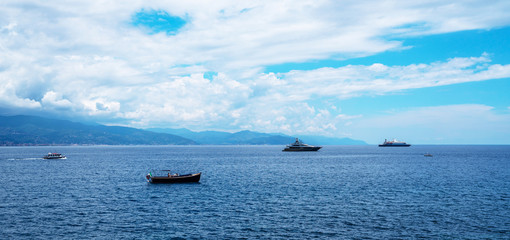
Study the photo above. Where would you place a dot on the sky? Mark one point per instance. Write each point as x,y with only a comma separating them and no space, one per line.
426,72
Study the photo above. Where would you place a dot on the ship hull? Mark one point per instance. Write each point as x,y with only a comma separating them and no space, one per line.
301,149
394,145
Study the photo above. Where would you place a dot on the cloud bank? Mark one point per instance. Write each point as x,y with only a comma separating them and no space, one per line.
94,60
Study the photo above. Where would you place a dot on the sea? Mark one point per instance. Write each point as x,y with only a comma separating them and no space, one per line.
256,192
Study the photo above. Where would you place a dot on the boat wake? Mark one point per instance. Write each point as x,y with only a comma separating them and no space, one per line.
23,159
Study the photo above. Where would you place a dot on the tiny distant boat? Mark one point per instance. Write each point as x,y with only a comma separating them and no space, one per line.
298,146
394,143
54,156
427,155
173,178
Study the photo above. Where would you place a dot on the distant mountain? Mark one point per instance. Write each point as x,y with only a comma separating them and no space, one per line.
226,138
31,130
254,138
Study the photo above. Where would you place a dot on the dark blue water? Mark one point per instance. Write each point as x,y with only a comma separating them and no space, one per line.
256,192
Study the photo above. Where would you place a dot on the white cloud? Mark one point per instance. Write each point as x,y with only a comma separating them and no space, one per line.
292,95
228,35
9,98
192,100
55,100
355,80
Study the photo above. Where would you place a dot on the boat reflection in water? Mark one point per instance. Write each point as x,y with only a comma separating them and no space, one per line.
172,178
298,146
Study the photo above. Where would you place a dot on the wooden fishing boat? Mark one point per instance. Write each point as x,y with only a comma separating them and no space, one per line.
173,178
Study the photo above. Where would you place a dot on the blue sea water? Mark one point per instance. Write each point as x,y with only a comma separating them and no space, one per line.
256,192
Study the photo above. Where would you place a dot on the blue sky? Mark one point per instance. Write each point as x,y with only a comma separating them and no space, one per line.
427,72
156,21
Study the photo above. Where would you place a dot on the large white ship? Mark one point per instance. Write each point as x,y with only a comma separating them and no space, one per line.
298,146
394,143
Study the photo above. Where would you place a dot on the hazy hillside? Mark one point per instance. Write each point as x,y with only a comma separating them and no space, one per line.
31,130
255,138
226,138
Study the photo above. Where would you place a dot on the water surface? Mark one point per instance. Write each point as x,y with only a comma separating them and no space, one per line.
256,192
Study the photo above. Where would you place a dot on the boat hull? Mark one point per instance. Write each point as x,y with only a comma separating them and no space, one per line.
52,157
190,178
394,145
301,149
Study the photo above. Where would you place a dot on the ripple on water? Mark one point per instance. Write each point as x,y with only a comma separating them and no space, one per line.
257,192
